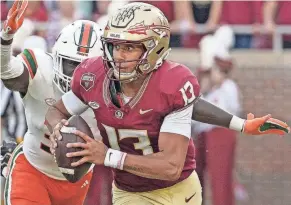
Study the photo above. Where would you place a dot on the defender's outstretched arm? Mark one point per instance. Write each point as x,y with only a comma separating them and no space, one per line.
13,74
208,113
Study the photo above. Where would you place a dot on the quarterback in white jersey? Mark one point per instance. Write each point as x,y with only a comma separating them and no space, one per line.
42,78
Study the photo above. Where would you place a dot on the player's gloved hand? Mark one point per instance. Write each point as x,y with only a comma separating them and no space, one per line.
264,125
6,151
14,19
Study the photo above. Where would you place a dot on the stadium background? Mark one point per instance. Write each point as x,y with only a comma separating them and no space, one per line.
262,163
263,73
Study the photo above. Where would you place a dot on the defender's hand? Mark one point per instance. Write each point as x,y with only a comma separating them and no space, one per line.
55,136
264,125
14,19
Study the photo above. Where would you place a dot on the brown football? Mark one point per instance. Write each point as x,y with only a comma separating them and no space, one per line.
72,174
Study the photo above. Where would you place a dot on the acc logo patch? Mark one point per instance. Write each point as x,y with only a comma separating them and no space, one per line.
88,81
50,101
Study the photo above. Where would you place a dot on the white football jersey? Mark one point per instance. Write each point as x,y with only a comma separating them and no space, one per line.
41,94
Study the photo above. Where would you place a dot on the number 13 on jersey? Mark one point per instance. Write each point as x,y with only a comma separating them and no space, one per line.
143,143
188,93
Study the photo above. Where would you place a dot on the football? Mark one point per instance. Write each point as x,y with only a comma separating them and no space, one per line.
72,174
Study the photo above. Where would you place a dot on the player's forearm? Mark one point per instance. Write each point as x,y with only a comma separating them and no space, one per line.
5,62
153,166
53,117
13,74
5,58
206,112
10,67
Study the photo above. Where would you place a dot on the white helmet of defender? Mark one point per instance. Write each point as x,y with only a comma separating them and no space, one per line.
75,43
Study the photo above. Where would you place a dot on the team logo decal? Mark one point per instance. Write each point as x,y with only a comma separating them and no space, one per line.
50,101
88,81
141,28
124,17
119,114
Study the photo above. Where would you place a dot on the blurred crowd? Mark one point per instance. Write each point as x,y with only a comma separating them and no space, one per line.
46,18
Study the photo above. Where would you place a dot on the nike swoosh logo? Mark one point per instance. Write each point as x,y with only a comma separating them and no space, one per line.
110,155
144,111
188,199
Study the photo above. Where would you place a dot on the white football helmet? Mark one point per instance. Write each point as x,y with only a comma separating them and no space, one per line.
75,43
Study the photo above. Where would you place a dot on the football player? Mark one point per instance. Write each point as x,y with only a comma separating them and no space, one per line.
42,78
143,105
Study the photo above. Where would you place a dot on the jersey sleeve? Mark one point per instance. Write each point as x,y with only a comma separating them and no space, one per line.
28,57
180,88
39,66
178,122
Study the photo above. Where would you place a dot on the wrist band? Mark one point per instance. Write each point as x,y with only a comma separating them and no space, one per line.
114,159
237,124
6,37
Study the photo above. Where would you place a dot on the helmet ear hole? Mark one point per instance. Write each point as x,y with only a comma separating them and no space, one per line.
145,67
